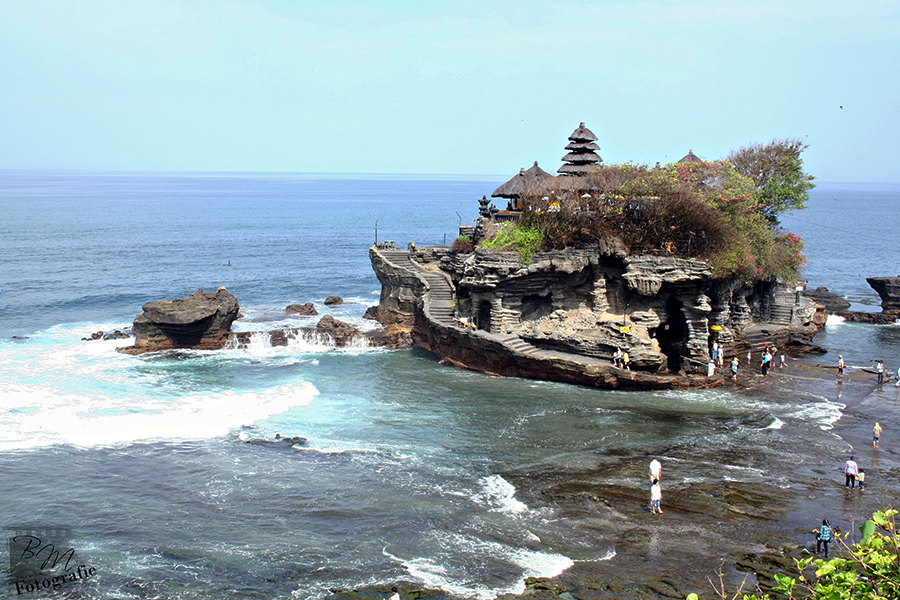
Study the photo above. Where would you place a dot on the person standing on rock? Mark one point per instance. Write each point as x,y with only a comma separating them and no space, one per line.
626,361
734,367
655,498
840,365
823,536
876,434
851,470
879,368
655,470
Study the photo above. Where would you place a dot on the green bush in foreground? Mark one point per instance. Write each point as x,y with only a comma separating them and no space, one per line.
868,570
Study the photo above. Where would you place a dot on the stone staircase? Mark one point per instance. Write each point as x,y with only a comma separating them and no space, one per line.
781,314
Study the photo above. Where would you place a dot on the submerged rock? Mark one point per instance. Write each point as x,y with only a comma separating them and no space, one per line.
201,321
333,300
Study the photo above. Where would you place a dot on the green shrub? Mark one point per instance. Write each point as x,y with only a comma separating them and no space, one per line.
517,237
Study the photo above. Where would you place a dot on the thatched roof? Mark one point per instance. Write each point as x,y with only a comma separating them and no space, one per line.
582,158
583,134
585,146
579,169
524,183
691,157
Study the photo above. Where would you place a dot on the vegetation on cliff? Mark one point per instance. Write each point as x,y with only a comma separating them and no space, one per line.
722,212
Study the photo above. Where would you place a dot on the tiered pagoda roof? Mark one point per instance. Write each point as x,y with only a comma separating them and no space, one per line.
691,157
582,157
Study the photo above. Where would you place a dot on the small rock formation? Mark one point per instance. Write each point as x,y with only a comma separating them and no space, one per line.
116,334
333,300
201,321
341,332
832,302
371,313
305,310
889,290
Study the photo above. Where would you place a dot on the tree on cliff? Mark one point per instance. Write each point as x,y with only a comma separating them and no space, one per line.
776,170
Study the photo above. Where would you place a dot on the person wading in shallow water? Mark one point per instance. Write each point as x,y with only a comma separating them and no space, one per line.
655,498
876,435
823,536
841,365
655,470
851,470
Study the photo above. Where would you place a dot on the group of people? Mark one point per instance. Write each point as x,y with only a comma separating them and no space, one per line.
621,359
853,475
879,370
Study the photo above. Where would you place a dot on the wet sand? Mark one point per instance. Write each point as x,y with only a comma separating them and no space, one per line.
726,525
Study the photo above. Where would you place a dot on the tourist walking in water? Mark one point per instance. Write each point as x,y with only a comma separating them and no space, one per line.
840,365
879,368
823,536
876,434
898,378
734,367
851,470
655,470
655,498
861,478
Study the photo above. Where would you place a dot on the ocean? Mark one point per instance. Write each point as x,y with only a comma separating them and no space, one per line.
161,469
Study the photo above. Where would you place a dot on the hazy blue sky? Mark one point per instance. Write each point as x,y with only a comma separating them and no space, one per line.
452,87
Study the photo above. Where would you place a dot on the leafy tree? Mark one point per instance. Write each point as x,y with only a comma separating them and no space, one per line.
777,172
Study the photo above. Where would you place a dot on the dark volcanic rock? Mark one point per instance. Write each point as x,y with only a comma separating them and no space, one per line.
333,300
200,321
341,332
306,310
889,290
834,303
371,313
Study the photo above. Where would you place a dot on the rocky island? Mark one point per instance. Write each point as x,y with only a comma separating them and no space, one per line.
565,309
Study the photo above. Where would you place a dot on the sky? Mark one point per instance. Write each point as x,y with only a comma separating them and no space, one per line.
463,87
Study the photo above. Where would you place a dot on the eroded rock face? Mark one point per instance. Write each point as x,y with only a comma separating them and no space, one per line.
591,301
201,321
889,290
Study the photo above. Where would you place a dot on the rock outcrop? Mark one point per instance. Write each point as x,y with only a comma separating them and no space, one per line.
888,289
562,315
333,300
832,302
201,321
306,310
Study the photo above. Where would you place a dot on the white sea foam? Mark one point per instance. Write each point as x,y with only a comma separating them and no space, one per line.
833,320
776,424
825,414
38,417
454,576
499,494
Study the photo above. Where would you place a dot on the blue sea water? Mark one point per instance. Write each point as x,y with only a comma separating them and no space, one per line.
410,469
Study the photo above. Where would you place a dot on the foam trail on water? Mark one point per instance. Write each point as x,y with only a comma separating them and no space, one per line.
37,417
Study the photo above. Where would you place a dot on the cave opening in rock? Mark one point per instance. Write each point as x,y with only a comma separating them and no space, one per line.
483,321
672,334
